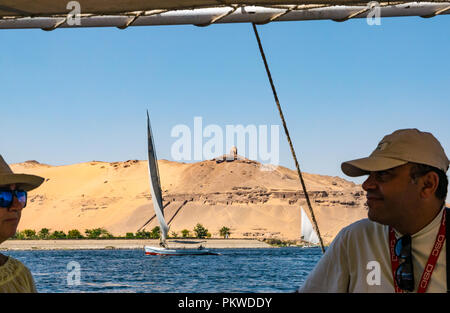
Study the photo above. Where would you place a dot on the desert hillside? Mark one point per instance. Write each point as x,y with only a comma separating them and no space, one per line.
251,199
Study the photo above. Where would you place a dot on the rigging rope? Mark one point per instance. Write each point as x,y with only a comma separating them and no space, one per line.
438,12
218,18
131,20
55,26
300,176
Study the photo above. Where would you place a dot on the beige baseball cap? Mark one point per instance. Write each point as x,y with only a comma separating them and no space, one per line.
398,148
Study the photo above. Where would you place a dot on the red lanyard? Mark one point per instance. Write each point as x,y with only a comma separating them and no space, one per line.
432,259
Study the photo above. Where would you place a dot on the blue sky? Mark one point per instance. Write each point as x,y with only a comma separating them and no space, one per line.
76,95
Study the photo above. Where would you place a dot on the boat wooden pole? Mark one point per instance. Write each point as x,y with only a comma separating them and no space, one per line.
300,176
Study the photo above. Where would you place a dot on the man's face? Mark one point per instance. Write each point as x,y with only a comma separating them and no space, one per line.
391,194
9,218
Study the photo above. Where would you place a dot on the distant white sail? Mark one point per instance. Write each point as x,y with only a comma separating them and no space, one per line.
307,231
155,184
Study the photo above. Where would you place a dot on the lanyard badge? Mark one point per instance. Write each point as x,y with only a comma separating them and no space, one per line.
403,273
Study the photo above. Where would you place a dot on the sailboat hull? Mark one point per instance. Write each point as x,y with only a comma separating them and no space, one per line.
164,251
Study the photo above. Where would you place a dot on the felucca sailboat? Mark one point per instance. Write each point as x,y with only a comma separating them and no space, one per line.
308,234
155,187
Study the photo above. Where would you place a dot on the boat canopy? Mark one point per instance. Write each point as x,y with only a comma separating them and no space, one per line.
51,7
51,14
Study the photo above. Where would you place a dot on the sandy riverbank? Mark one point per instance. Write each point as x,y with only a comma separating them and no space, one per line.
87,244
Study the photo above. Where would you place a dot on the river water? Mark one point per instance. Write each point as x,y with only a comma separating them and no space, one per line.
234,270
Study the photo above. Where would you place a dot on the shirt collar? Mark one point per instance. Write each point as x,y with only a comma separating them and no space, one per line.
432,225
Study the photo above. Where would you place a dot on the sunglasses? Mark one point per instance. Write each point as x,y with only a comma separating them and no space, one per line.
404,275
7,198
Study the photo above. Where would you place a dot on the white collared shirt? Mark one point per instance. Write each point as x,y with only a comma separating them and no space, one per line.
358,260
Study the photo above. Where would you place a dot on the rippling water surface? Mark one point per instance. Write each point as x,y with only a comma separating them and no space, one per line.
234,270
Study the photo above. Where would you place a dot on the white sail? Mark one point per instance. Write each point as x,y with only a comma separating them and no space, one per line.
307,231
155,185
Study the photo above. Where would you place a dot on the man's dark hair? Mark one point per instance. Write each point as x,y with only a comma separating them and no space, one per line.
419,170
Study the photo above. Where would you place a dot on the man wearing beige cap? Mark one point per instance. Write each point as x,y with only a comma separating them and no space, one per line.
14,276
401,247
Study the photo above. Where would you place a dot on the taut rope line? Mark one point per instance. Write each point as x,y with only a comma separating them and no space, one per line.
288,136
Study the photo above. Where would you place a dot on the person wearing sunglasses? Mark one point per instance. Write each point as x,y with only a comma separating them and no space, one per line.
14,276
401,247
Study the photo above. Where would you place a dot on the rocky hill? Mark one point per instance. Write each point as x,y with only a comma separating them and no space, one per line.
251,199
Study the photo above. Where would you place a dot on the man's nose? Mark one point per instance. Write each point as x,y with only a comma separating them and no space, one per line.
370,183
16,205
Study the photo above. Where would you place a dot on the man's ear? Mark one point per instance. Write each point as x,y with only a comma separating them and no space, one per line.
430,182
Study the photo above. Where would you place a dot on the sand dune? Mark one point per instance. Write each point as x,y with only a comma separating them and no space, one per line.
251,199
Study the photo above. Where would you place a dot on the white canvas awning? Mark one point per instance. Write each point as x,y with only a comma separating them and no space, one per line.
57,7
52,14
